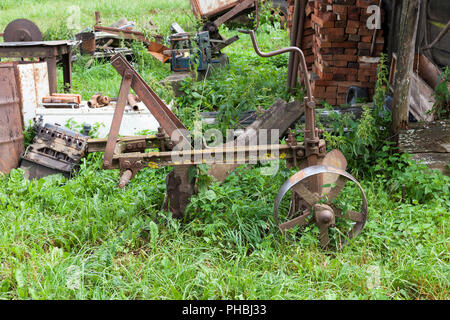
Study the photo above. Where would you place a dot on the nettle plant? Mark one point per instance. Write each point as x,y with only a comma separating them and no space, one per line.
441,107
361,140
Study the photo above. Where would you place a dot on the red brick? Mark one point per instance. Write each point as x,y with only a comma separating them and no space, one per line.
351,30
353,24
339,8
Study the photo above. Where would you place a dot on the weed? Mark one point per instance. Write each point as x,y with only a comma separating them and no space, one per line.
441,107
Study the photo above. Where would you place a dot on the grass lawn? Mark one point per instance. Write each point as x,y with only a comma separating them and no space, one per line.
85,238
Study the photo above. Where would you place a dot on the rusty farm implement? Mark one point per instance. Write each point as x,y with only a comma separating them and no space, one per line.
313,189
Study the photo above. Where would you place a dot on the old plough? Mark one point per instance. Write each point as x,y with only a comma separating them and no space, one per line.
313,189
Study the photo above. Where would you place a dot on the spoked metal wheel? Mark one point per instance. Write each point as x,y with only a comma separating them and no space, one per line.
309,207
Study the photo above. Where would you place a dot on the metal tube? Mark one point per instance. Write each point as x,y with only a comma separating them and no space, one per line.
298,43
280,51
294,31
125,178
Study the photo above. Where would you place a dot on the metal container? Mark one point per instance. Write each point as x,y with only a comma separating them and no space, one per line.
209,8
87,42
11,123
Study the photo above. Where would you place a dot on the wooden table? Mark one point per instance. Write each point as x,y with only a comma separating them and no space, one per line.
47,50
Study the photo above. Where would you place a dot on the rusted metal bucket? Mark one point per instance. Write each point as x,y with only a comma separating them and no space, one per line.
11,123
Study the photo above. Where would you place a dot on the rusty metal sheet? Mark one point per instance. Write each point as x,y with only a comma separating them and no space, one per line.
33,85
11,125
208,8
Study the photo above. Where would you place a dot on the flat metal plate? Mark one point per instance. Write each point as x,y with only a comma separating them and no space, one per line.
38,43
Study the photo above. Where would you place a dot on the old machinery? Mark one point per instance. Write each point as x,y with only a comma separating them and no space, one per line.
313,188
54,150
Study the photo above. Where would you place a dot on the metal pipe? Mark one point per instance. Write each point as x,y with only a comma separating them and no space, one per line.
125,178
294,31
280,51
298,42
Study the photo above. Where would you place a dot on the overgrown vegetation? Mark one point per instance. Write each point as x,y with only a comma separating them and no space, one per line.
441,107
85,238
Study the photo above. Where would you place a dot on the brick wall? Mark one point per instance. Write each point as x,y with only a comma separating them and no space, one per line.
337,45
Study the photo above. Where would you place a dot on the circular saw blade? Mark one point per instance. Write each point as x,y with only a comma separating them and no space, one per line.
22,30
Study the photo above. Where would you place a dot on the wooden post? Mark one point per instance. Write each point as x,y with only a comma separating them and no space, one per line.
405,61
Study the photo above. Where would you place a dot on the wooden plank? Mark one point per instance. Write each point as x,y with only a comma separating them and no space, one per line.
436,161
428,71
431,137
281,115
421,98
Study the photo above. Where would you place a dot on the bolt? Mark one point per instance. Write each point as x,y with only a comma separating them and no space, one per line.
138,164
325,216
127,164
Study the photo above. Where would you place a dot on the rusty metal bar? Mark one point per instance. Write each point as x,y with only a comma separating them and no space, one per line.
99,144
280,51
294,31
166,118
298,43
234,154
117,119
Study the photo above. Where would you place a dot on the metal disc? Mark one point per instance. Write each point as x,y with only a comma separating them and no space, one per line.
22,30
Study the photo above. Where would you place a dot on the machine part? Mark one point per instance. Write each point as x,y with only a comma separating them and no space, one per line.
319,207
61,105
179,190
133,101
21,30
155,48
87,42
185,56
11,123
75,99
98,101
51,51
74,95
307,198
54,150
296,40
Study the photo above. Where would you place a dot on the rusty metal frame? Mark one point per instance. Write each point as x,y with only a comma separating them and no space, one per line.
166,118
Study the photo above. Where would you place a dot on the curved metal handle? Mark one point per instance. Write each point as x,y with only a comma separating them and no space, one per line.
280,51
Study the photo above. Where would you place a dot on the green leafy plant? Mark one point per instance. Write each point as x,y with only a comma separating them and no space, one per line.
361,140
441,107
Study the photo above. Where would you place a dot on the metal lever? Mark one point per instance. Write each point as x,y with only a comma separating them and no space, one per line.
280,51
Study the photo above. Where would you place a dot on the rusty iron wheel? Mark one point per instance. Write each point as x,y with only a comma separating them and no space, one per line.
320,208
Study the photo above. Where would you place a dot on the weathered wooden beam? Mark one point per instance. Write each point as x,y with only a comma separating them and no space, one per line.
428,143
281,115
